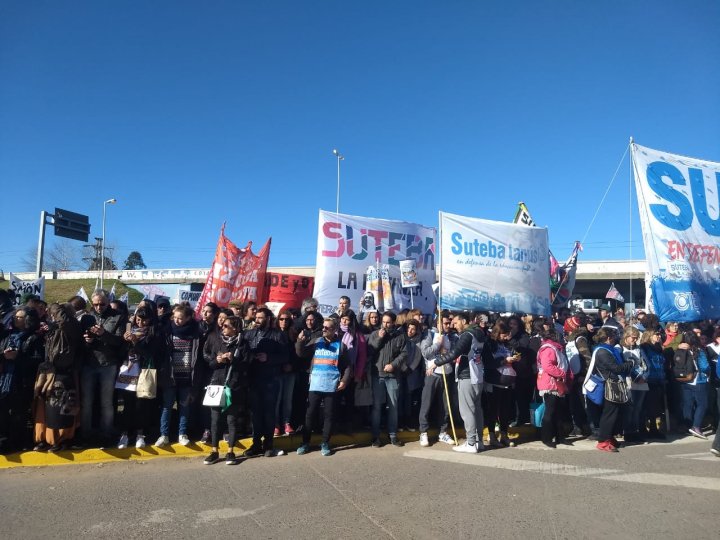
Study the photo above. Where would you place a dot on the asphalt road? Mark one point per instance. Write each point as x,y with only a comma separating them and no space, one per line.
669,490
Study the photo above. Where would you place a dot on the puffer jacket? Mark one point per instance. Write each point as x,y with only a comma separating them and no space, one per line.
552,379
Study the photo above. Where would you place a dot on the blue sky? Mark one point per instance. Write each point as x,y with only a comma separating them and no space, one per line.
192,114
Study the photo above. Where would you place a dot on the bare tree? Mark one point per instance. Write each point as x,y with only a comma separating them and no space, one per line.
62,255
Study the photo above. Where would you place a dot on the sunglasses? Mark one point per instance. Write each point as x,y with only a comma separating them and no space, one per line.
328,328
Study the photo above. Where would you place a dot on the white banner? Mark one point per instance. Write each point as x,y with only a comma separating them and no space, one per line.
19,287
347,245
494,266
680,218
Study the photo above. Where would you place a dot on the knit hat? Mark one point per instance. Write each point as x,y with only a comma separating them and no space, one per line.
571,324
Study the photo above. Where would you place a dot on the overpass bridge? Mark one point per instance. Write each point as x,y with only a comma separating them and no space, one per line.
593,278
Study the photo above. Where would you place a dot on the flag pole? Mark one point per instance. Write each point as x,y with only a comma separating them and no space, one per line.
630,213
439,326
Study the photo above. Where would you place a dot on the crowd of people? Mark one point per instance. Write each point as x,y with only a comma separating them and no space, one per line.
74,375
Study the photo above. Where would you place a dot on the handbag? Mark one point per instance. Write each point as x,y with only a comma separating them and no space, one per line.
147,383
363,393
537,410
507,375
127,377
218,395
594,385
616,391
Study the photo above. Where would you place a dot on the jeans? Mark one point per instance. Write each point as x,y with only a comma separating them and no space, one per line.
285,398
314,399
169,395
384,388
471,411
263,397
694,404
231,415
104,377
433,393
552,418
633,411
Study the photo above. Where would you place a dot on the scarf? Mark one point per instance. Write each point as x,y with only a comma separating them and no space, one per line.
186,332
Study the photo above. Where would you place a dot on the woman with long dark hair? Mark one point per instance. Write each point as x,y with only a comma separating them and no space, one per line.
553,380
610,366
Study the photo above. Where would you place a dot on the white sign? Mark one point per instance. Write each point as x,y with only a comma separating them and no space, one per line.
19,287
493,266
184,294
347,245
680,218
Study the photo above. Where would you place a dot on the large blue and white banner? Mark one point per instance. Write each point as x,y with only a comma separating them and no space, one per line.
680,218
494,266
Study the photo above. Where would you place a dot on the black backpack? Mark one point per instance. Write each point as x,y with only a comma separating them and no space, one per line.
683,366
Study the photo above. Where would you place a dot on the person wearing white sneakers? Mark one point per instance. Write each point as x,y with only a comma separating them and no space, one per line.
179,372
433,392
469,373
144,344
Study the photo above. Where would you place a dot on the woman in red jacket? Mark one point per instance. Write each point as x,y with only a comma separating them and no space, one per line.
552,381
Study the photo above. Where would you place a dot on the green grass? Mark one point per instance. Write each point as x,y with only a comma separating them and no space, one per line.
61,290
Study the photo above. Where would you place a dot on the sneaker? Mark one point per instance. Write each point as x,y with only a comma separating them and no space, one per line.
270,452
492,441
424,439
376,443
184,440
230,459
549,444
140,441
205,439
163,440
41,447
467,448
303,449
276,432
715,452
606,446
697,432
447,439
396,442
576,432
479,446
213,457
325,449
252,452
123,442
288,429
504,440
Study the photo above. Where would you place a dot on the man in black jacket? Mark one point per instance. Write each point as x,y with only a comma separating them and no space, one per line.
105,351
468,348
268,349
387,353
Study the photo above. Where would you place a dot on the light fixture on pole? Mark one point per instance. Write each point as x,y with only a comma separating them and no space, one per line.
102,246
339,157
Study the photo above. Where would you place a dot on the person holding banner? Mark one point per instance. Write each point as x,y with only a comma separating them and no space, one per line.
433,344
388,351
469,374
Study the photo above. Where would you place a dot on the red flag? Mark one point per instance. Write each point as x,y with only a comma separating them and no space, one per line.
250,278
221,278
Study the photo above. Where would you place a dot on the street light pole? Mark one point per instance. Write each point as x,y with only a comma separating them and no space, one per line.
102,246
339,157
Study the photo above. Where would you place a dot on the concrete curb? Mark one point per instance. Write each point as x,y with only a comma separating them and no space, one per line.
286,443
